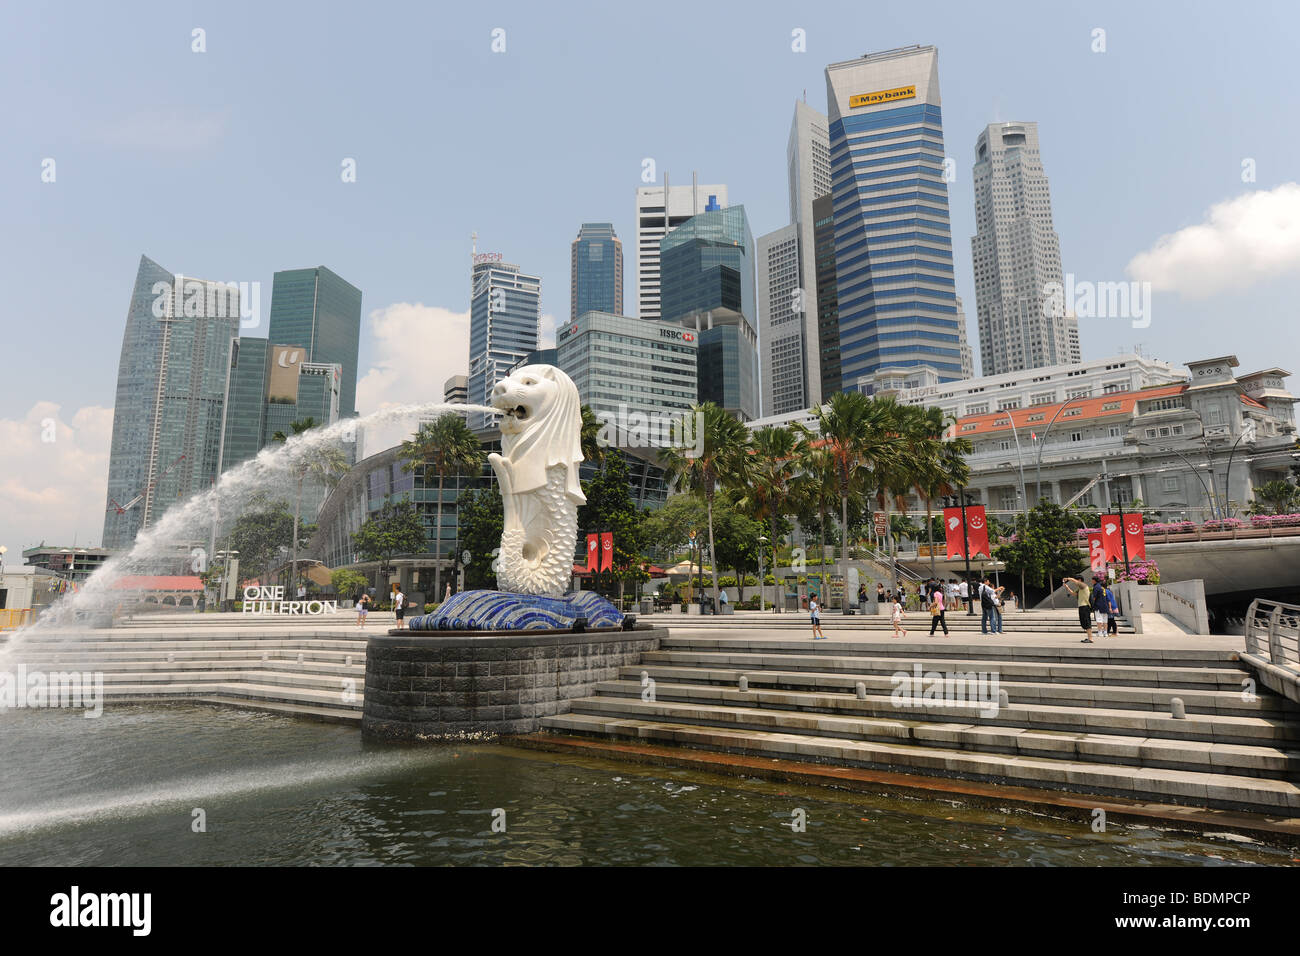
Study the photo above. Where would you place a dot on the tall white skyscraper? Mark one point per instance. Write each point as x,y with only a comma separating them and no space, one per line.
781,333
808,163
1016,254
654,220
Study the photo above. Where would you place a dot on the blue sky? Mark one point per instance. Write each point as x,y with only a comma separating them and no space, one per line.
226,164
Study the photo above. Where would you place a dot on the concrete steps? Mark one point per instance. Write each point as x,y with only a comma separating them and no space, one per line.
1082,718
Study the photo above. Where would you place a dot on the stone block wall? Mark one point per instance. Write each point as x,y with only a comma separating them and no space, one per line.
421,684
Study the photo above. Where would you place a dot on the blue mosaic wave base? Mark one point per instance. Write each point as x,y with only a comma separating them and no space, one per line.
506,611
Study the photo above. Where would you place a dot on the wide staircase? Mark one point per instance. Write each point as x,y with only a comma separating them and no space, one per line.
1094,719
278,667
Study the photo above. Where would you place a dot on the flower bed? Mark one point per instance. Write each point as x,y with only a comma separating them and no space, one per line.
1143,572
1275,521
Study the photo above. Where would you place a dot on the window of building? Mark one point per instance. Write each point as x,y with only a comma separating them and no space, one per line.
1071,412
1114,431
1169,483
1076,436
1151,433
981,409
1214,413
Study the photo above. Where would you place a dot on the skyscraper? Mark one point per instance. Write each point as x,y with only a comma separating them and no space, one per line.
808,163
1017,254
828,316
596,272
317,310
172,379
504,317
893,240
708,287
654,220
782,333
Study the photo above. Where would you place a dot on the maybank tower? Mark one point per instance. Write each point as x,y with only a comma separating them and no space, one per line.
899,317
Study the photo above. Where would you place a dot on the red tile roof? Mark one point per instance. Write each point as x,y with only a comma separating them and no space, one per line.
159,582
1089,408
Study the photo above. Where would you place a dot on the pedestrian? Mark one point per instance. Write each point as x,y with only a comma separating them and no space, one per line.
1100,606
862,598
880,593
937,610
988,609
815,611
723,598
302,592
447,595
963,592
399,607
363,605
1112,612
897,617
997,609
1079,588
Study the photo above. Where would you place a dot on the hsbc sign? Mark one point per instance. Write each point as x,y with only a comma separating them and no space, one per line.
679,335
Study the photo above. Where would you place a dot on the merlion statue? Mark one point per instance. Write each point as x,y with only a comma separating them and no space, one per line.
537,471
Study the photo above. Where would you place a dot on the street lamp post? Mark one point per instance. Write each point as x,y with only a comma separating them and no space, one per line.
1190,467
761,542
961,500
1038,479
1247,433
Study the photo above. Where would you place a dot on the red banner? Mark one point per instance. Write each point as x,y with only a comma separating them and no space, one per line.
952,532
1096,552
593,553
976,532
1134,537
606,550
1111,542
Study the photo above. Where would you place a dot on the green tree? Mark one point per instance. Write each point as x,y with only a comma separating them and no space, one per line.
860,434
723,459
482,519
773,468
395,529
738,544
442,447
592,449
610,507
259,534
1043,548
815,492
1278,496
346,582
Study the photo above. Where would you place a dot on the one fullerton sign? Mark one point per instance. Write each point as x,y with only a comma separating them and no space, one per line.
271,601
882,96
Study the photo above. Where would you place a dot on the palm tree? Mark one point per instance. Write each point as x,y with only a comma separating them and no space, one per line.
325,464
773,469
859,433
723,459
592,449
446,447
1279,495
815,488
939,466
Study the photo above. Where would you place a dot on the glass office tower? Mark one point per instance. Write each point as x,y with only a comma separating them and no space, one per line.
172,378
504,316
707,285
596,272
319,311
893,241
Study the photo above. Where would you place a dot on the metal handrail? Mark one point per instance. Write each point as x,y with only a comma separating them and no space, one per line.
1273,632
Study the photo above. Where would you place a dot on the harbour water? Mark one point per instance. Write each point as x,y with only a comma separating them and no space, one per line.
201,786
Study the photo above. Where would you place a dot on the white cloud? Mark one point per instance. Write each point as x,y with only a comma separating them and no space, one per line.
546,332
416,348
1243,240
54,490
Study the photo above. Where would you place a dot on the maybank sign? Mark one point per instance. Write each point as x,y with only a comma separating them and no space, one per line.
882,96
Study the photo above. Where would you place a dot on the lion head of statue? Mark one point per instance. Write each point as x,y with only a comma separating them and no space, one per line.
541,426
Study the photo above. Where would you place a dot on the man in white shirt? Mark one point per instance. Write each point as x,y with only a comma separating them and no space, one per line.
399,608
963,592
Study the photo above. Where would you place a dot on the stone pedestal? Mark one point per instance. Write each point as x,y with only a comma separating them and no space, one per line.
431,684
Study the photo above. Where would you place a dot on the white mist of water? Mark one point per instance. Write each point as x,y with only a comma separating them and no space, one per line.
189,523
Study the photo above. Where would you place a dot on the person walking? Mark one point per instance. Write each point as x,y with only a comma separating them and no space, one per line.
815,610
399,608
937,609
896,616
1100,606
1112,612
1079,588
